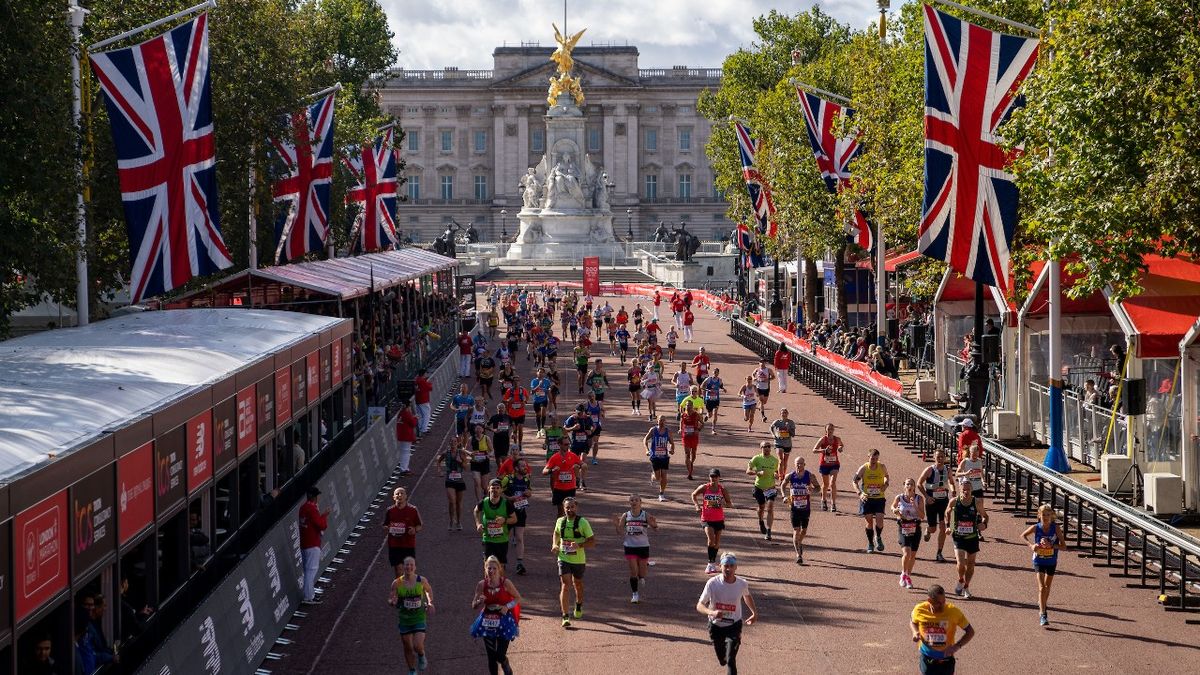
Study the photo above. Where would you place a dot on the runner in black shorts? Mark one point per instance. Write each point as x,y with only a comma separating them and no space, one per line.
935,484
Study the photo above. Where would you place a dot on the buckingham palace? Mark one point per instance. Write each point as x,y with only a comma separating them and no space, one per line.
470,135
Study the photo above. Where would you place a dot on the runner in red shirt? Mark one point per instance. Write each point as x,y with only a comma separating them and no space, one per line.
657,302
563,467
688,320
652,330
515,399
782,361
701,362
690,423
677,310
687,299
622,316
401,522
313,522
967,438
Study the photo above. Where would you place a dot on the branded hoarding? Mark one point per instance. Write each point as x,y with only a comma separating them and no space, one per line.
266,406
199,450
135,492
170,483
39,553
93,533
224,434
283,396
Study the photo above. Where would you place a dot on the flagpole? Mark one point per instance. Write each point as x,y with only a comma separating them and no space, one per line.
326,90
153,24
76,16
881,327
991,17
1056,454
818,91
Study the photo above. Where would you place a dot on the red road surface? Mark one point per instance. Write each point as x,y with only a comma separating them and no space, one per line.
843,612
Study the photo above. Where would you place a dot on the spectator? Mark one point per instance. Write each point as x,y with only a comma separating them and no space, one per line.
85,655
40,662
133,620
313,522
406,434
422,389
299,458
1090,394
967,438
94,606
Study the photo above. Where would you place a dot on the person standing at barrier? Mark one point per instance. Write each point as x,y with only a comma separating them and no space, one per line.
499,607
935,623
765,468
453,464
799,485
572,536
313,522
966,519
935,483
783,430
828,448
712,386
782,362
494,514
465,347
412,596
721,601
908,507
711,499
1045,539
749,394
401,522
635,525
872,481
422,392
966,439
762,385
406,435
659,448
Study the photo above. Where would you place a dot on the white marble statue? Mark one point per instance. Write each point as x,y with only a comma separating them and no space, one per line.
532,195
601,193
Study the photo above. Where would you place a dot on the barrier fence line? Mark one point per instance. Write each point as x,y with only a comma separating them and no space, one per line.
1017,482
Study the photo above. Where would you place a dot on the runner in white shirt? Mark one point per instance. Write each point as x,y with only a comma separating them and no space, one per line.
762,383
635,525
721,601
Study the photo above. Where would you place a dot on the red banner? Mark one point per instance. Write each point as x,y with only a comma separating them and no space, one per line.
199,450
40,553
855,369
313,378
283,395
247,425
591,275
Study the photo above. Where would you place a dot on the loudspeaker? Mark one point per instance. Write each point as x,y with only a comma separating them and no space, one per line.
991,348
1133,398
893,328
917,334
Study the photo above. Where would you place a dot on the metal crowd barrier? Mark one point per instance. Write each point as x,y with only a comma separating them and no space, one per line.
1115,535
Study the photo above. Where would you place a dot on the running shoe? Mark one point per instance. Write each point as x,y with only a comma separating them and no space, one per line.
767,536
870,548
1044,620
595,461
927,533
879,546
566,621
903,581
521,569
940,557
799,560
966,593
711,569
314,601
835,508
824,505
634,599
578,611
422,662
662,497
958,588
762,526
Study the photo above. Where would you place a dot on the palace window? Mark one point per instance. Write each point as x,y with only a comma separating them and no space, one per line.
480,141
414,140
651,186
537,140
414,188
651,140
685,138
481,188
447,140
685,186
447,187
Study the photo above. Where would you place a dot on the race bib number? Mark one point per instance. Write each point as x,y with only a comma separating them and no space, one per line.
965,527
713,501
479,457
784,433
689,430
724,607
454,476
874,491
539,392
908,529
495,530
659,452
770,493
569,547
565,476
634,530
799,499
581,436
1044,551
397,529
412,603
502,427
940,493
491,620
935,635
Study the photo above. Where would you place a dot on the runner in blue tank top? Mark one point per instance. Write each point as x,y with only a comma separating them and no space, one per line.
1045,539
799,486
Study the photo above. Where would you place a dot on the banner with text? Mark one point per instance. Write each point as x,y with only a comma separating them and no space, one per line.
591,275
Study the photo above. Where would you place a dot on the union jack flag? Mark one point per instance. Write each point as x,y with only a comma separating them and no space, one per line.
756,185
374,167
833,154
304,226
158,96
970,206
749,245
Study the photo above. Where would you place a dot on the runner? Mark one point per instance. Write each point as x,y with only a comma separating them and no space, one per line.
582,357
500,425
765,468
712,386
721,601
555,386
579,431
701,362
908,507
623,342
799,485
401,522
749,396
651,388
828,447
934,623
563,469
971,468
688,319
499,607
555,435
540,386
691,423
672,343
634,525
782,362
597,380
712,513
454,461
783,430
659,448
683,386
872,481
412,596
762,385
595,410
572,535
480,453
657,302
515,399
634,377
638,314
934,484
493,516
965,518
518,488
1046,542
485,371
463,403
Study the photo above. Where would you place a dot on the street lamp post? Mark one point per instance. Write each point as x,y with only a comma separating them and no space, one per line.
881,326
503,225
629,217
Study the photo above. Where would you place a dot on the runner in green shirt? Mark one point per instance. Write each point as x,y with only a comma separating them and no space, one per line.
572,534
765,468
554,434
493,516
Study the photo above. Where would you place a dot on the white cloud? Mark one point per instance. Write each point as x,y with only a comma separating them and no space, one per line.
463,33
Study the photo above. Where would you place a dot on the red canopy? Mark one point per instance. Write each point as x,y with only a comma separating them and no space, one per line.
1166,308
893,263
1039,304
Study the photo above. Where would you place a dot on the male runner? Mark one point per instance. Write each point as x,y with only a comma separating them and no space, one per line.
799,485
659,448
872,481
712,386
934,484
493,516
578,428
515,398
595,411
765,468
721,601
762,384
572,534
540,386
563,469
783,430
934,623
690,424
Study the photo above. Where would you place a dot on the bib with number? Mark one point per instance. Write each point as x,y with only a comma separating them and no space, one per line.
397,529
940,493
454,476
413,603
521,503
799,499
634,529
1044,551
908,528
935,634
569,547
770,493
689,430
495,530
784,433
874,491
491,620
479,457
565,476
965,527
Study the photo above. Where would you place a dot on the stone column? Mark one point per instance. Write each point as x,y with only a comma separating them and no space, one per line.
501,169
610,164
522,150
633,141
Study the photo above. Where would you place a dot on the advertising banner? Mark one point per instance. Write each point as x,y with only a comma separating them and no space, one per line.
266,407
312,370
247,425
170,486
5,577
135,492
326,369
199,450
283,396
39,553
591,275
336,363
93,533
224,434
466,292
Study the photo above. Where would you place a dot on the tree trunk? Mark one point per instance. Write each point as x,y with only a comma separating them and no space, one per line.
811,284
839,280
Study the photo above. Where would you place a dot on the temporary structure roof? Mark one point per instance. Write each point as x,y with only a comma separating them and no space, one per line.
1166,308
62,389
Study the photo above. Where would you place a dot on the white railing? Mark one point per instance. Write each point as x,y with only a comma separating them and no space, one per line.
1085,426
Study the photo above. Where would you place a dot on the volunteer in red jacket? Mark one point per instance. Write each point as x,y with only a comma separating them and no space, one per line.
967,438
422,389
657,302
401,522
313,522
782,361
688,319
406,434
464,354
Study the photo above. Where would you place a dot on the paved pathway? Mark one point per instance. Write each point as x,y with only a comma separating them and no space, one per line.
843,612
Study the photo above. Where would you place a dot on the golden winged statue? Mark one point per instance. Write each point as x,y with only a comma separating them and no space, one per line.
565,82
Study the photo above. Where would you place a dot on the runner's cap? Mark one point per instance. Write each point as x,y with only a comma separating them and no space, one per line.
728,559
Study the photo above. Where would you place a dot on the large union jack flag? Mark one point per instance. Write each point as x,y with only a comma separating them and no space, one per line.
756,185
833,153
303,226
158,95
970,207
374,167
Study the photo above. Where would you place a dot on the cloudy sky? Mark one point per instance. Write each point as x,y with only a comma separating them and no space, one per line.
431,34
